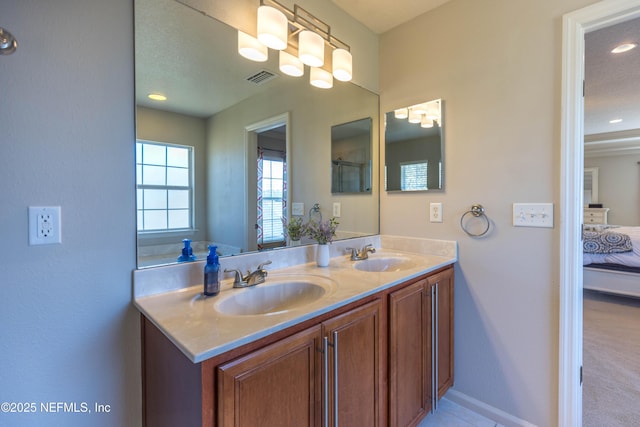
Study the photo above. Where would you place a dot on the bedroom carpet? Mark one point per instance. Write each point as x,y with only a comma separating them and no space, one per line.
611,361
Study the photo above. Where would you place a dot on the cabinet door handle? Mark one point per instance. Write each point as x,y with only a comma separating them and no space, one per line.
325,361
437,362
335,378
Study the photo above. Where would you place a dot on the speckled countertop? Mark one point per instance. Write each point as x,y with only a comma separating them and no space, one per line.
200,330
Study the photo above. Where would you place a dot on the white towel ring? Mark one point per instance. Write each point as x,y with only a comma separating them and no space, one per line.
478,212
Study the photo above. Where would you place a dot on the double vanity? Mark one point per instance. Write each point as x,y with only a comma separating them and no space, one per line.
367,342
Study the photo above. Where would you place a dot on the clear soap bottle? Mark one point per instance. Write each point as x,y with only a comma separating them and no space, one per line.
211,272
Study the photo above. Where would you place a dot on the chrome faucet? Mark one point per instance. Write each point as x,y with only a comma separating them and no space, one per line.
357,255
252,278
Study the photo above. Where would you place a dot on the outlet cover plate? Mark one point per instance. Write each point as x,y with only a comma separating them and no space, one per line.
44,225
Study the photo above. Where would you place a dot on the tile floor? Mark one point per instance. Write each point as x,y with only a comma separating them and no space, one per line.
451,414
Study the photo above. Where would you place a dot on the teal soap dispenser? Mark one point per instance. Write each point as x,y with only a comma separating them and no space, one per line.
211,271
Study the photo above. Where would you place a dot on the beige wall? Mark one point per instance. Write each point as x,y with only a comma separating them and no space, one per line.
497,66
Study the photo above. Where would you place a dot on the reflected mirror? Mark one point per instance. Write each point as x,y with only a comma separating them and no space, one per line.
414,145
351,157
235,144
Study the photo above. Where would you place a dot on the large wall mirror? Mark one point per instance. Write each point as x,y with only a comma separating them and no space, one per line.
236,144
414,159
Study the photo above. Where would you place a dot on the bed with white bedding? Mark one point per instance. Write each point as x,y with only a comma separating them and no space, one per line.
612,259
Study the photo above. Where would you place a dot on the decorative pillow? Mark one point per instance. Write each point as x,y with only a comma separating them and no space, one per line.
606,242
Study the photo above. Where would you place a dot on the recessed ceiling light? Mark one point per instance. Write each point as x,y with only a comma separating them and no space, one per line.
615,121
624,47
157,97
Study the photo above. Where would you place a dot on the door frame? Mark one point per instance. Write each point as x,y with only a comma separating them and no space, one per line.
575,25
251,146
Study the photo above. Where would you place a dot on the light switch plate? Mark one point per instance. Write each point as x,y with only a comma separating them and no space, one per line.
533,215
336,209
297,208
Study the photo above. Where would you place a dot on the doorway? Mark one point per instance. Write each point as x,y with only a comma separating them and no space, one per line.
575,25
267,145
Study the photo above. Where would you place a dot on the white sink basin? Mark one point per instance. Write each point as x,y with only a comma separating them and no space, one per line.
274,296
384,264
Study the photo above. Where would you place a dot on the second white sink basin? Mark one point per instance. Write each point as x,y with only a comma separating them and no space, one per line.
384,264
280,295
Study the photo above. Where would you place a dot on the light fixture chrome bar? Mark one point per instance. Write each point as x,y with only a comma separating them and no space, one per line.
301,19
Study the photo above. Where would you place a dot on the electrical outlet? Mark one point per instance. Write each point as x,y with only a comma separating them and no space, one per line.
336,209
435,212
44,225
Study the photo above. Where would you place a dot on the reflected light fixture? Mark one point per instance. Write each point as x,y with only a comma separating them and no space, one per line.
427,114
614,121
414,117
273,28
290,64
625,47
157,97
401,113
320,78
251,48
277,29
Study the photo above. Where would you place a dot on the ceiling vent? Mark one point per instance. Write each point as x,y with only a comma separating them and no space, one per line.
261,77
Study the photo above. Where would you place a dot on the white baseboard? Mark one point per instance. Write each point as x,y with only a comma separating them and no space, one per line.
495,414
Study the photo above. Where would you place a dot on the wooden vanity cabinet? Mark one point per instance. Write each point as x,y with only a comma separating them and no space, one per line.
378,348
327,371
420,347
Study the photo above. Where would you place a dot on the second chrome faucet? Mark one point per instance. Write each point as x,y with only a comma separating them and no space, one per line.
357,255
252,278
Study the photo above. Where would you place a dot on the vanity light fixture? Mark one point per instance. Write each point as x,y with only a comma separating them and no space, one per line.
157,97
290,65
625,47
320,78
251,48
298,32
426,122
414,116
273,27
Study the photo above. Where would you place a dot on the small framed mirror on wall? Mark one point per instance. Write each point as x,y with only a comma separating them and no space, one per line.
414,147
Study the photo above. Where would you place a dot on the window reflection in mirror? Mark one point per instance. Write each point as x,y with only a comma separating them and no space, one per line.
351,157
414,158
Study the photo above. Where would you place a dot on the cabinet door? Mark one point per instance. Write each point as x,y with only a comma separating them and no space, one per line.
444,282
409,354
278,385
354,343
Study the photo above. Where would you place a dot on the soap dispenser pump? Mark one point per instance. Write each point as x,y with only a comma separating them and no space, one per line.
187,252
211,270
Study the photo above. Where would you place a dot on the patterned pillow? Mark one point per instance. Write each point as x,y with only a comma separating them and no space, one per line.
606,242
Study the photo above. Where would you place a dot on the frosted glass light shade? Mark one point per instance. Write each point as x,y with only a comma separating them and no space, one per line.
401,113
342,65
426,122
419,109
251,48
273,27
290,65
414,117
311,48
321,78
